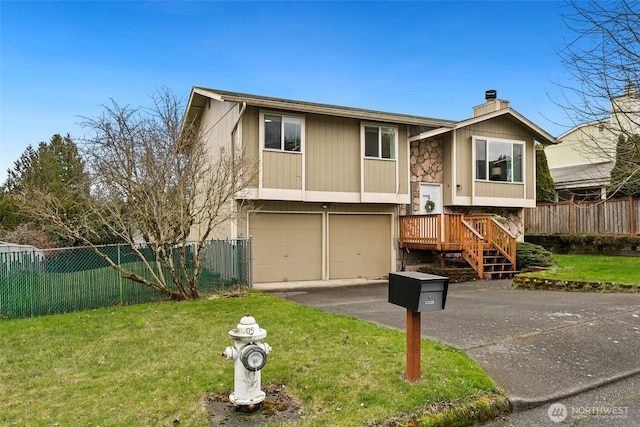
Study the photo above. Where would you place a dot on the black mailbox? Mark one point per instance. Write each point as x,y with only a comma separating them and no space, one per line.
418,291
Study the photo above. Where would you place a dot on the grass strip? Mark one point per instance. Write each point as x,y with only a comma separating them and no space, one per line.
597,273
155,364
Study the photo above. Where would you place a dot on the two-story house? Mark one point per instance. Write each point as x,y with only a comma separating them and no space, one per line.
334,182
581,162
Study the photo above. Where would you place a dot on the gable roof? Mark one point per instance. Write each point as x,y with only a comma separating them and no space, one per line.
541,135
199,96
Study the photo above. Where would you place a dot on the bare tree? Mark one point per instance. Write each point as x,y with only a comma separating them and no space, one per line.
602,57
155,184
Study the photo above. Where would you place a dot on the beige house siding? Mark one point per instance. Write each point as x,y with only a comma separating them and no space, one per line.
216,124
500,128
448,185
501,190
332,146
403,159
379,176
590,143
250,138
330,166
282,170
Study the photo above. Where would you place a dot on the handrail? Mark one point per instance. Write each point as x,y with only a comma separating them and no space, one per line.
504,241
472,247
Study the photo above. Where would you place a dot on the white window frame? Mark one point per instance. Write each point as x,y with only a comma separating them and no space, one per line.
488,141
363,126
282,116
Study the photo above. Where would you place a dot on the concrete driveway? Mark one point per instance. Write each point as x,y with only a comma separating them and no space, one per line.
540,347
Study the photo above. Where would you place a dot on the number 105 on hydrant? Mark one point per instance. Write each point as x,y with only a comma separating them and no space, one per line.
249,354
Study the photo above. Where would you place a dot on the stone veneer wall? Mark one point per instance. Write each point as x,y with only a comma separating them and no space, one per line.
427,162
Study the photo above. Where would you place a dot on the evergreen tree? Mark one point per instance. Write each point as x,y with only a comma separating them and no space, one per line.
625,175
545,187
56,168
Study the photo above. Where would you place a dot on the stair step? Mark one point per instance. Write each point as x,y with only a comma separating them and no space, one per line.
492,275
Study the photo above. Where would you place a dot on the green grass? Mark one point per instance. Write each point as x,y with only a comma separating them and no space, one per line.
594,268
154,363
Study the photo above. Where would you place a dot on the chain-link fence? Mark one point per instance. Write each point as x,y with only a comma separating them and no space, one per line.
37,282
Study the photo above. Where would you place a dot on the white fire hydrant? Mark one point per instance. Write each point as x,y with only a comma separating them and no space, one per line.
250,356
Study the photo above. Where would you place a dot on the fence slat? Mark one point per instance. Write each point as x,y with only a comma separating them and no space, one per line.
613,216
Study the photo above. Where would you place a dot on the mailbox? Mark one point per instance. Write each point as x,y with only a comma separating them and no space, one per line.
418,291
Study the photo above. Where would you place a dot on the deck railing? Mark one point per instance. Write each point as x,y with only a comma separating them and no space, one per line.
420,230
469,234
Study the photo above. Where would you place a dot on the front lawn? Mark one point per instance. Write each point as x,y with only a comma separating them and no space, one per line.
594,268
155,364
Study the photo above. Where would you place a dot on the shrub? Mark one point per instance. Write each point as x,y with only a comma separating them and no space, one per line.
532,255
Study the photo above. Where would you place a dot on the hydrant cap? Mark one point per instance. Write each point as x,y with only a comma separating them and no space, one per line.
247,330
247,320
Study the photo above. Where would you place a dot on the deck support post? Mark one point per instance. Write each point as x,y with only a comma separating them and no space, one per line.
443,261
413,346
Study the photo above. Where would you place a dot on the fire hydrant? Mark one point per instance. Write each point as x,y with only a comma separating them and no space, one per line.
250,356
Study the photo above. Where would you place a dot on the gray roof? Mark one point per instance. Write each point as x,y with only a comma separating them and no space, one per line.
582,176
310,107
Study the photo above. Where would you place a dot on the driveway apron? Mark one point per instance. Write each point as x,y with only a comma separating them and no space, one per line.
538,346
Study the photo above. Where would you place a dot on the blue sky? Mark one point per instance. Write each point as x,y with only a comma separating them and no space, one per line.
60,61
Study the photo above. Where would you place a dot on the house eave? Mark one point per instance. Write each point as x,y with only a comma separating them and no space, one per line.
541,135
317,108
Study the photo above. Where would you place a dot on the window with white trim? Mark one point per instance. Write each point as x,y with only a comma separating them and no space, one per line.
283,133
499,160
380,142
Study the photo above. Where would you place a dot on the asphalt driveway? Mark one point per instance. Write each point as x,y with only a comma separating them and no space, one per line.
540,347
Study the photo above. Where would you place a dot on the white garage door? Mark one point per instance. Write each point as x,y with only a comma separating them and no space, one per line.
359,246
286,247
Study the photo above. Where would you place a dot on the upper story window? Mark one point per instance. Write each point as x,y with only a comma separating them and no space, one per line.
282,133
380,142
499,160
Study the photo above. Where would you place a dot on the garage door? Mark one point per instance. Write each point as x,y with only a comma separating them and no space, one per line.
359,246
286,247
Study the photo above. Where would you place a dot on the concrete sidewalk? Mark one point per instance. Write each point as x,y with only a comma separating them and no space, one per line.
539,346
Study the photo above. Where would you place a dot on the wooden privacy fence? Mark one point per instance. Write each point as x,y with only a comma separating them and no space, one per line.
614,216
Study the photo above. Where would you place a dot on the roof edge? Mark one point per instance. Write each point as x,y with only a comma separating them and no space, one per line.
542,136
319,108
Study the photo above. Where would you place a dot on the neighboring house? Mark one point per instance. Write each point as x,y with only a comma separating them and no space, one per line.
334,182
581,162
15,257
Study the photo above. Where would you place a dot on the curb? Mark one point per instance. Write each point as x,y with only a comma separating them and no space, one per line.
522,404
464,414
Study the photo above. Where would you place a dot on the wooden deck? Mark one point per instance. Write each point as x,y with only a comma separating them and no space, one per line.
483,242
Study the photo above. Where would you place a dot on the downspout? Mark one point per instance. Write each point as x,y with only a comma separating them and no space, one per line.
234,222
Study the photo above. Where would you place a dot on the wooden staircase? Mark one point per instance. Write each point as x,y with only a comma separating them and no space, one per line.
481,240
496,265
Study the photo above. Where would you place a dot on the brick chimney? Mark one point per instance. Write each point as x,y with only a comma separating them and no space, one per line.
492,104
